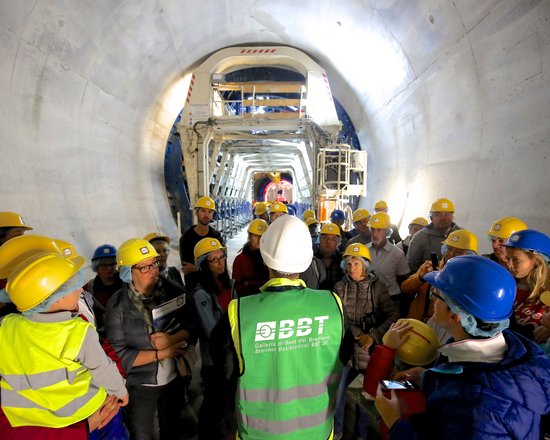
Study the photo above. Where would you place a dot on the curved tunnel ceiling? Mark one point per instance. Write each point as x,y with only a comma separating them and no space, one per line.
449,98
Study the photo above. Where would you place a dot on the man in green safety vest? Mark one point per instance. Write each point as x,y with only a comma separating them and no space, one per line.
288,341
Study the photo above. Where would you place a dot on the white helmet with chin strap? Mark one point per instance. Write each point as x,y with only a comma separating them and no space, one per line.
286,245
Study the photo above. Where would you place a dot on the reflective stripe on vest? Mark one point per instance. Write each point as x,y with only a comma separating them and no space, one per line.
294,337
42,384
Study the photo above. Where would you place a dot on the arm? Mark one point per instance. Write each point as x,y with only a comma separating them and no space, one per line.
387,307
414,255
103,370
413,283
203,306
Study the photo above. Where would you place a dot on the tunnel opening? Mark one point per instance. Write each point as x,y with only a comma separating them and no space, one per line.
245,101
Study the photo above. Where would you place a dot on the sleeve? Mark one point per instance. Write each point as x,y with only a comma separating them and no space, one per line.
415,252
402,265
115,332
411,285
387,308
237,273
103,370
203,306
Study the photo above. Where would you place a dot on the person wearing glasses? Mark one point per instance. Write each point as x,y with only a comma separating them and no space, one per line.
429,238
330,256
149,353
460,242
211,297
499,233
488,382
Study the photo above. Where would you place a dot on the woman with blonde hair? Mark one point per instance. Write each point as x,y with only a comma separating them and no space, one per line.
528,253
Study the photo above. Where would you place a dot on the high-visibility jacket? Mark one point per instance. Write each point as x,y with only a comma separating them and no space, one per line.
42,384
288,341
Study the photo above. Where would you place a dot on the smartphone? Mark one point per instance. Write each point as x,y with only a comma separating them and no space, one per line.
397,384
435,260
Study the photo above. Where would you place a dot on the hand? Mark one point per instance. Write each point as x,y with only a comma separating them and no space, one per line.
365,341
123,401
425,268
103,415
388,409
545,321
161,340
175,350
541,334
394,335
188,268
412,374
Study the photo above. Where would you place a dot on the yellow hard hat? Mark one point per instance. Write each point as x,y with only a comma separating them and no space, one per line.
260,208
311,221
442,205
12,220
505,227
308,213
331,228
360,214
134,251
421,346
421,221
462,239
381,204
257,226
18,249
357,250
205,202
380,220
205,246
278,207
156,236
36,278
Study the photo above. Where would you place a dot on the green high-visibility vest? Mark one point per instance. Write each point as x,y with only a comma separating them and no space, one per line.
288,344
41,383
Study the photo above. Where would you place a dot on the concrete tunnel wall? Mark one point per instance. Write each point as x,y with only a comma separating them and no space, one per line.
449,98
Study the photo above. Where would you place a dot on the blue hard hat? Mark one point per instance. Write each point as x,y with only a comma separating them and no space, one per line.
291,209
337,214
480,286
530,240
104,251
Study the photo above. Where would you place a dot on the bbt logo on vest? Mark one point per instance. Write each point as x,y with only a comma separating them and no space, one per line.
287,328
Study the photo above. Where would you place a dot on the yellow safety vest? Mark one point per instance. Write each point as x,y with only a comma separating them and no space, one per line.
41,383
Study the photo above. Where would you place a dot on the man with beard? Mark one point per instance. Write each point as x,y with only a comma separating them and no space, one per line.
429,239
330,256
204,210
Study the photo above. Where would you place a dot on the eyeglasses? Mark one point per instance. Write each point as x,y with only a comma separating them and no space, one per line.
148,267
499,241
328,239
217,259
433,293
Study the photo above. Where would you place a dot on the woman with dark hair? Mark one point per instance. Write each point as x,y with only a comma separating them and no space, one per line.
249,270
211,296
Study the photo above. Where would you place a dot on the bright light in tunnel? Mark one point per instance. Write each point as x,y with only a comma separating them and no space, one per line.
373,64
174,99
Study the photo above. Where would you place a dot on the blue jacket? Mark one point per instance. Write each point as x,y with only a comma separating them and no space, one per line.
473,400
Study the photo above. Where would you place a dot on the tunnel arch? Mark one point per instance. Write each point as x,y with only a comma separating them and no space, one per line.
84,94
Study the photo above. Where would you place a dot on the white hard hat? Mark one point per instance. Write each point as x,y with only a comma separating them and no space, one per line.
286,245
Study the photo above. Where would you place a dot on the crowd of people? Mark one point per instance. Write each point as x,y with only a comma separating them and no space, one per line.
305,309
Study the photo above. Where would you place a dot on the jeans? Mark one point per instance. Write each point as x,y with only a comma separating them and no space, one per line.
361,417
168,400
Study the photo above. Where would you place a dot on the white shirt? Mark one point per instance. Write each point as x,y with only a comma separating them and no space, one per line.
388,263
